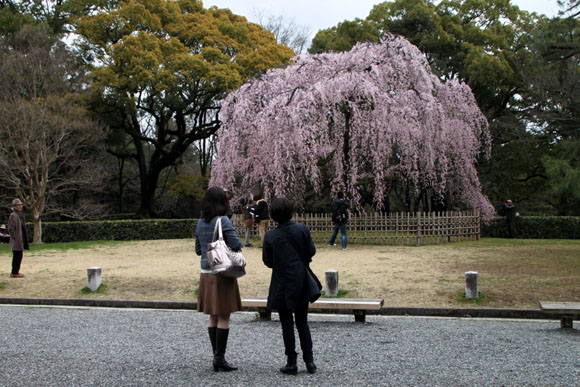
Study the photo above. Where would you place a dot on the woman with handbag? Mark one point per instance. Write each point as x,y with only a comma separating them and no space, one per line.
218,296
288,250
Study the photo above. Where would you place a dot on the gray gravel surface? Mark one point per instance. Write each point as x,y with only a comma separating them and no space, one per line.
51,346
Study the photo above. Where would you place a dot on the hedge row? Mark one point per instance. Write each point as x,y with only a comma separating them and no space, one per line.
119,230
528,227
536,227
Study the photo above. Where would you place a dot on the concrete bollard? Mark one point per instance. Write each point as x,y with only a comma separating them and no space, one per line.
331,283
93,278
471,290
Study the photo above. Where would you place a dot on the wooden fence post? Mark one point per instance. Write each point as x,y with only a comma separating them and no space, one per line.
418,228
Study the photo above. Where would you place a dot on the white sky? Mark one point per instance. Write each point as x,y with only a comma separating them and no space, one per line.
321,14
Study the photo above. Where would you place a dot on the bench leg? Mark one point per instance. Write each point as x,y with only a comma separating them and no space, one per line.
360,315
265,315
566,322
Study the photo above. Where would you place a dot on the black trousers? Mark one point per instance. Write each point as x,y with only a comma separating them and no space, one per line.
300,314
16,261
511,225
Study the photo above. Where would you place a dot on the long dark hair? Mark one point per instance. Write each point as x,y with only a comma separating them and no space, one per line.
214,203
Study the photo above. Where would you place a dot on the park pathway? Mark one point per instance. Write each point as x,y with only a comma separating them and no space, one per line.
59,346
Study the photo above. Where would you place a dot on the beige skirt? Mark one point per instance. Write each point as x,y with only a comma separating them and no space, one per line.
218,295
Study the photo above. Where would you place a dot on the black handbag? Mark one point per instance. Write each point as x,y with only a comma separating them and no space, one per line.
313,286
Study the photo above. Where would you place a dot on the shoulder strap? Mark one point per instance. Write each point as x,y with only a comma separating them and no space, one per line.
218,229
293,243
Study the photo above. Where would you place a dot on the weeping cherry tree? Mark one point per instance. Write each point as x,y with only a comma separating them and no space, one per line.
376,112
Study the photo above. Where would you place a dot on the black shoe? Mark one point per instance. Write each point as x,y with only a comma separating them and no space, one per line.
249,245
222,364
311,367
289,369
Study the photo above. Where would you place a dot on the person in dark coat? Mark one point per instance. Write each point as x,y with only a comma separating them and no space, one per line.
510,216
18,237
246,205
261,216
339,219
288,250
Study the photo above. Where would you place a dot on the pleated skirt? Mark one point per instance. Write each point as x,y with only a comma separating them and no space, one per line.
218,295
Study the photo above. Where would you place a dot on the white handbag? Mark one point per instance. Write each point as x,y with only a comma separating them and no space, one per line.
224,262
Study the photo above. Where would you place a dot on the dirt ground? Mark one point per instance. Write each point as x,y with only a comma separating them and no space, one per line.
169,270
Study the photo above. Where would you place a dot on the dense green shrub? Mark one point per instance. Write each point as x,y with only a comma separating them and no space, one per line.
536,227
119,230
527,227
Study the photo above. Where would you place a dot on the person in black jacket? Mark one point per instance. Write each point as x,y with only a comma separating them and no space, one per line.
246,207
510,216
261,216
288,250
339,219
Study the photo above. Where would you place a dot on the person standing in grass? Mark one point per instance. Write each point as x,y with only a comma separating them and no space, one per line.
339,219
18,237
217,296
510,216
261,216
246,204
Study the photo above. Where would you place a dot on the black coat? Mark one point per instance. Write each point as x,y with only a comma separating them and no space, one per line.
260,211
287,286
509,211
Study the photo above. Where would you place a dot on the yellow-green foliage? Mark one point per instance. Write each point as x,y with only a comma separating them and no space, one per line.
163,45
193,186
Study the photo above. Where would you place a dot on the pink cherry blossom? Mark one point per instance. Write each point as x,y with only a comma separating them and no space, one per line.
374,112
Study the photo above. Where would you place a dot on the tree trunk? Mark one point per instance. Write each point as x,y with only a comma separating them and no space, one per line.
148,189
346,149
37,235
147,208
37,208
121,162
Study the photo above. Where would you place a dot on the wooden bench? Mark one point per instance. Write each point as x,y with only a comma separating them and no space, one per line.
358,307
567,311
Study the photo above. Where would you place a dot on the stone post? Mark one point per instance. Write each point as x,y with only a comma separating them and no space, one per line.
93,278
331,283
471,290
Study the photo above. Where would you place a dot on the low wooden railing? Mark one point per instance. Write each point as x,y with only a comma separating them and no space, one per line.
400,228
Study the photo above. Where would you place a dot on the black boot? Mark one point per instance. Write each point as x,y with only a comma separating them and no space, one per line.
212,337
309,360
290,368
219,359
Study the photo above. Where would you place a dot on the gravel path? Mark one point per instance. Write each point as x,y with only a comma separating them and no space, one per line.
47,346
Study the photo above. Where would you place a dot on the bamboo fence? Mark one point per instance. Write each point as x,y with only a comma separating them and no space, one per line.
400,228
